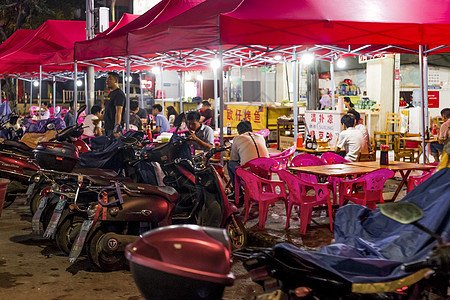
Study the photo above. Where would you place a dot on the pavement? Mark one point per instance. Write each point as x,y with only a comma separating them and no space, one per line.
32,267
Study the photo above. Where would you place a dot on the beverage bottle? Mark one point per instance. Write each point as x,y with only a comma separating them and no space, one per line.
300,141
434,130
314,142
308,142
427,134
384,155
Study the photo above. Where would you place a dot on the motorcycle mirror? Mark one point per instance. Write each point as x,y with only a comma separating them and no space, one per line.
178,120
51,126
402,212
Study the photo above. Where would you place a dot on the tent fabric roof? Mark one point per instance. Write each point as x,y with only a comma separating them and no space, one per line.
52,35
298,22
115,43
18,36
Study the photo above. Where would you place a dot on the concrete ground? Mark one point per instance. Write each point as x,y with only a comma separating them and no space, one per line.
32,267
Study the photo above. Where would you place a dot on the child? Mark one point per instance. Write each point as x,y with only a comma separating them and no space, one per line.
351,139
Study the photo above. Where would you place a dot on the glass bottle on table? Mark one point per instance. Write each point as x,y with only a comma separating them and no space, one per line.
427,134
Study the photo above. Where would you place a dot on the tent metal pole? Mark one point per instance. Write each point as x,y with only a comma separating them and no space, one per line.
222,104
180,91
31,94
265,83
127,105
333,85
140,87
86,91
75,90
295,90
40,90
54,96
123,79
228,87
421,67
425,98
216,103
162,89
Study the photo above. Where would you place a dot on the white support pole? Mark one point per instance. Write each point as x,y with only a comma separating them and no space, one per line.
295,95
228,86
222,103
180,91
40,90
425,89
216,102
162,89
333,85
75,90
421,67
123,79
86,91
31,94
142,91
54,96
127,105
265,84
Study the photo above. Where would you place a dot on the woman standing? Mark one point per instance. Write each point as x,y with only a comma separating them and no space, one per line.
171,115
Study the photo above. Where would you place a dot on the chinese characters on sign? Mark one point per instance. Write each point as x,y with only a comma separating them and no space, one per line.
323,125
254,114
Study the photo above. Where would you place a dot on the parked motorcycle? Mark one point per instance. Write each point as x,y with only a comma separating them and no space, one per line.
330,276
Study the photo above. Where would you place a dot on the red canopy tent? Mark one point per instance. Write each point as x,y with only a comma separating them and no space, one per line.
14,39
298,22
52,35
114,44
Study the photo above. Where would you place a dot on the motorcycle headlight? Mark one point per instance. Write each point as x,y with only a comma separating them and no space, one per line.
35,178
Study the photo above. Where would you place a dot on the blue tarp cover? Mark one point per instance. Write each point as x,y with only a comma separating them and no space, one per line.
372,248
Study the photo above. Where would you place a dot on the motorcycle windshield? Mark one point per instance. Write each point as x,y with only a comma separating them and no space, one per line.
371,248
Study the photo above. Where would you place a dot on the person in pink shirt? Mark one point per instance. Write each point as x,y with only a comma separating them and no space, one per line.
444,134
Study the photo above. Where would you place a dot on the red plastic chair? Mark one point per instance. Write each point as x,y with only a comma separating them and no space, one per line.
414,181
260,166
207,122
264,132
283,158
372,188
262,191
300,195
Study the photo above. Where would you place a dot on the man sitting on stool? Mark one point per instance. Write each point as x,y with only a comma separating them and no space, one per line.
246,146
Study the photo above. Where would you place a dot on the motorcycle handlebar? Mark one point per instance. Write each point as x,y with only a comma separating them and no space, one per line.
412,267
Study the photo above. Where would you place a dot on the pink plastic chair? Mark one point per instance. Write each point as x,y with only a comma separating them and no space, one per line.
305,159
331,158
207,122
260,166
414,181
264,132
262,191
300,195
283,158
372,188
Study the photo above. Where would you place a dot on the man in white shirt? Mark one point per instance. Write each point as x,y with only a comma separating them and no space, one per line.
351,139
363,130
246,146
92,124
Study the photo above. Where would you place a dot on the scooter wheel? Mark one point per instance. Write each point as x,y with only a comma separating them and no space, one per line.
236,232
9,199
67,232
103,259
34,203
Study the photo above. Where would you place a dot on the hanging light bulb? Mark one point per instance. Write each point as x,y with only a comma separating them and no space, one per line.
156,70
340,63
36,83
79,82
199,77
215,64
278,57
307,58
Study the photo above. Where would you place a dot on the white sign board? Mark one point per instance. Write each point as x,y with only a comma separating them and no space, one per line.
324,124
141,6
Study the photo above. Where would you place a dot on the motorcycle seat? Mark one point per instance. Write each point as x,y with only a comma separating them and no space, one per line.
167,192
96,172
18,145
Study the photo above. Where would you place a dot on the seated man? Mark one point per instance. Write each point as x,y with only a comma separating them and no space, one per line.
363,130
69,118
45,113
444,134
161,122
135,120
201,135
206,113
246,146
351,139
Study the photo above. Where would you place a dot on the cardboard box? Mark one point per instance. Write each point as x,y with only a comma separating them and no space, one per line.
286,142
